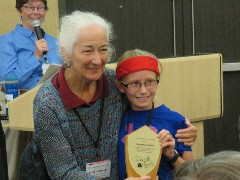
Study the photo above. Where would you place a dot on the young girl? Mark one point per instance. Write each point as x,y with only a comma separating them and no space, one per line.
138,76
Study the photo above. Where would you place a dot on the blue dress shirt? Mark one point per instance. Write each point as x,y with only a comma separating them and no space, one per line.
17,54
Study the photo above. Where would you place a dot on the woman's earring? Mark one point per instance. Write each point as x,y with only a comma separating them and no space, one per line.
67,64
20,19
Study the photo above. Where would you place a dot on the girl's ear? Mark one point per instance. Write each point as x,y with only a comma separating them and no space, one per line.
119,86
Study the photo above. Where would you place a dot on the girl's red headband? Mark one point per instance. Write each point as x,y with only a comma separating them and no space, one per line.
137,63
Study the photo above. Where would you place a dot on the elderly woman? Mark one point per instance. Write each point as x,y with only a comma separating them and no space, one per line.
77,113
22,53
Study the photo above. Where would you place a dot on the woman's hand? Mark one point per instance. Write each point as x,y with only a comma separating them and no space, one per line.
167,143
141,178
188,135
41,46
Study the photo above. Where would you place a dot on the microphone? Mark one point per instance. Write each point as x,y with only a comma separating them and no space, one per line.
37,27
39,33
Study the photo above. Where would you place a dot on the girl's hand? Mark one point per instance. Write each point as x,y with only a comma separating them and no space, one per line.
167,143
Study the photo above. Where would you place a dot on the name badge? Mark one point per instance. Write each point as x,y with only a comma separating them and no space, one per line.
100,169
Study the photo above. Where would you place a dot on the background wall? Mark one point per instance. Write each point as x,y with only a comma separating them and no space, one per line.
9,17
181,28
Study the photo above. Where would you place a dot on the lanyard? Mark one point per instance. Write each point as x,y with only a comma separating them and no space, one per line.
148,120
95,143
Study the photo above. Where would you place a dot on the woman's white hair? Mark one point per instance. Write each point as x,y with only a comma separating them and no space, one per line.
217,166
72,25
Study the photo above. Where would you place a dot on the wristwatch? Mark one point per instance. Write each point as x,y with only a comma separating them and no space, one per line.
174,158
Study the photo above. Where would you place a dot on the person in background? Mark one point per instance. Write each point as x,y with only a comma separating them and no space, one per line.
138,75
216,166
77,113
22,53
3,156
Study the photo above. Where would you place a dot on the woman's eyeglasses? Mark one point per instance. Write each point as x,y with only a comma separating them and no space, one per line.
31,8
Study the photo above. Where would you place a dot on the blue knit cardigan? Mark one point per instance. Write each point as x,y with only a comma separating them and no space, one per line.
60,147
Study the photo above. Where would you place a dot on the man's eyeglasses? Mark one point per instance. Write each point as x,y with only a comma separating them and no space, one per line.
31,8
136,86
